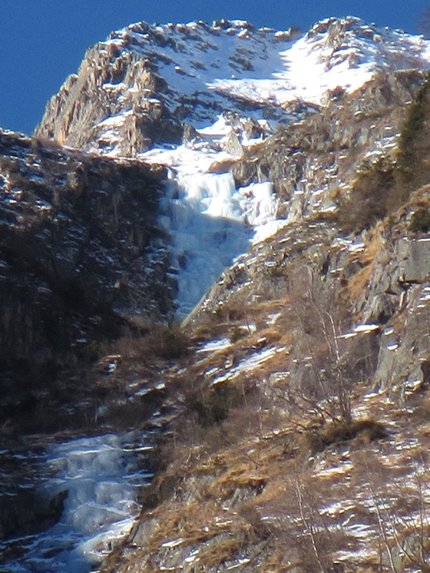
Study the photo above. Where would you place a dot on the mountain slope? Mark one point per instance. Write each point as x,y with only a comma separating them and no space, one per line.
169,74
82,260
202,100
293,219
318,351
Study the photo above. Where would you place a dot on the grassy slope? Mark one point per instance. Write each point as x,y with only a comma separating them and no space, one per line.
285,453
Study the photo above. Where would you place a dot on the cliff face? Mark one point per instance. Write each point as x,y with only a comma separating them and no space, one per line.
296,392
82,257
315,161
109,81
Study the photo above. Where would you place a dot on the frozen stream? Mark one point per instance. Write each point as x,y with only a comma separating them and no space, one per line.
210,221
101,477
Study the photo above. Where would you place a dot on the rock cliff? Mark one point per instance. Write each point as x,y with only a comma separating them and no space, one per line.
82,257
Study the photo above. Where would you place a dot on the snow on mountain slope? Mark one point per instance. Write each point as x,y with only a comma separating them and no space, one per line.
222,89
210,221
196,72
232,60
325,59
298,311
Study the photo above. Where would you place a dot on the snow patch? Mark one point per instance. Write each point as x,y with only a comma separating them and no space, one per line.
215,345
248,365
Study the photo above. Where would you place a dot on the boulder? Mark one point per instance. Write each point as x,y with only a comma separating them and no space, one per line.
25,512
414,256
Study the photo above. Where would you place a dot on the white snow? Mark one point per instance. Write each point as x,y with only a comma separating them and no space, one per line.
268,230
208,232
272,318
173,543
365,328
264,66
113,121
360,329
248,365
211,222
218,129
215,345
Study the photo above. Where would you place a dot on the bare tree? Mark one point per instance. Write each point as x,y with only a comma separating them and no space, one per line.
402,513
325,386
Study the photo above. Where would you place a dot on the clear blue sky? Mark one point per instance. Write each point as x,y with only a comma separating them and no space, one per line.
42,41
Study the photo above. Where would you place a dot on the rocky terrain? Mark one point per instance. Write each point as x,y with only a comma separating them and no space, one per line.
293,398
83,260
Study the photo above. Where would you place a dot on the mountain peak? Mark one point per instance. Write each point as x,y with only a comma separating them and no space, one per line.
141,85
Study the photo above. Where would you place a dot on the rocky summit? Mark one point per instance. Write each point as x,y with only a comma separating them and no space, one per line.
215,264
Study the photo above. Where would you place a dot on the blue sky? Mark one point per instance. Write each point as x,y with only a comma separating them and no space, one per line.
42,41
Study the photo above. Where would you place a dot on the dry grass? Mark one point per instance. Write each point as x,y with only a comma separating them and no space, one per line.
334,434
239,477
260,477
357,283
222,549
161,343
228,506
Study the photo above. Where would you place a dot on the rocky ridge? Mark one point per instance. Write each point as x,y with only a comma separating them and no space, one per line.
145,84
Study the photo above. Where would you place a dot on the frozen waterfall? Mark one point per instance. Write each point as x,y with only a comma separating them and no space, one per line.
211,223
102,477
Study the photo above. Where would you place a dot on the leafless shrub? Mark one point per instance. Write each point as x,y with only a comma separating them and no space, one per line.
325,383
401,511
212,406
368,430
166,342
298,521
